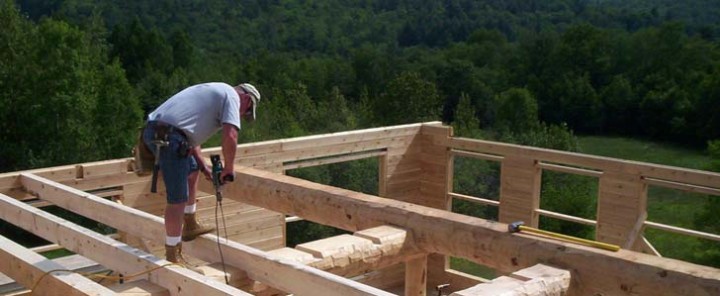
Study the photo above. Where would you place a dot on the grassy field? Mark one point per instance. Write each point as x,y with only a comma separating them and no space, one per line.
645,151
666,206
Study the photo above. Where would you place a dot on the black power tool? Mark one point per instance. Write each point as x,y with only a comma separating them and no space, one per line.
217,168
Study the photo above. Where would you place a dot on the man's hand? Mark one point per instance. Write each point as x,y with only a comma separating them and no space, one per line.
202,166
207,172
227,175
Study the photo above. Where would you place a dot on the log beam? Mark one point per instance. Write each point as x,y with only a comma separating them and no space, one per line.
482,241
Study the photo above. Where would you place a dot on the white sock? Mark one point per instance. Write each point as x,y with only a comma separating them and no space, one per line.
172,240
189,209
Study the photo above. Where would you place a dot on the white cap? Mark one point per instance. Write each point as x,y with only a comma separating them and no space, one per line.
254,95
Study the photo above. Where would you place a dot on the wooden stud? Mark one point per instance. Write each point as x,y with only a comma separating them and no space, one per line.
622,201
519,190
416,276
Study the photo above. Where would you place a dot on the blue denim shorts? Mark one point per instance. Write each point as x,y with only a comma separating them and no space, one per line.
175,167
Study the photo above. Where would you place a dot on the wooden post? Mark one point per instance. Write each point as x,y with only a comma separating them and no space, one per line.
416,276
520,180
382,175
622,206
434,161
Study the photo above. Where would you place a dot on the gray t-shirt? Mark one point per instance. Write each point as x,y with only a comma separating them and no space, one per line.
200,110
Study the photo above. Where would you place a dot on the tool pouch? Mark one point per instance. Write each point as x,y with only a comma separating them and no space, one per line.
144,158
184,149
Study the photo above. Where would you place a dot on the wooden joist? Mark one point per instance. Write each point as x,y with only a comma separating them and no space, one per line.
108,252
29,269
478,240
287,276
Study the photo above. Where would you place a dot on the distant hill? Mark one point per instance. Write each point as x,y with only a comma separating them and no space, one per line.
334,26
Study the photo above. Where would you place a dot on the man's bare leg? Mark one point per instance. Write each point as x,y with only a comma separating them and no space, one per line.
193,228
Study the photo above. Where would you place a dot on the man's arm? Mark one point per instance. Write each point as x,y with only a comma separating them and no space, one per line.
229,146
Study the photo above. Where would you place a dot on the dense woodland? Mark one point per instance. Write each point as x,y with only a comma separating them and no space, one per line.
78,77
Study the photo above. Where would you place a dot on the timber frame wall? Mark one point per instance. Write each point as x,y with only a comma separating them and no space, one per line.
415,194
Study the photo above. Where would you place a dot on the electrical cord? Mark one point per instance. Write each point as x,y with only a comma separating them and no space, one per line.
218,204
116,278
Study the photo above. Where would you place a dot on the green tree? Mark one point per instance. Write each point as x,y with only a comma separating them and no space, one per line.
577,103
409,98
116,104
621,106
466,123
373,68
63,95
585,50
707,107
517,110
15,45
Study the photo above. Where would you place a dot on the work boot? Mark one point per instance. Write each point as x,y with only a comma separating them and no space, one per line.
192,228
174,254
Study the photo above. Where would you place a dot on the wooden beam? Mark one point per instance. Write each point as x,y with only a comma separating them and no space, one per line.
109,252
29,268
333,159
482,241
664,172
680,230
287,276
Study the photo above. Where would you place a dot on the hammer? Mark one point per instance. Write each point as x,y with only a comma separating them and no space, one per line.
519,226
